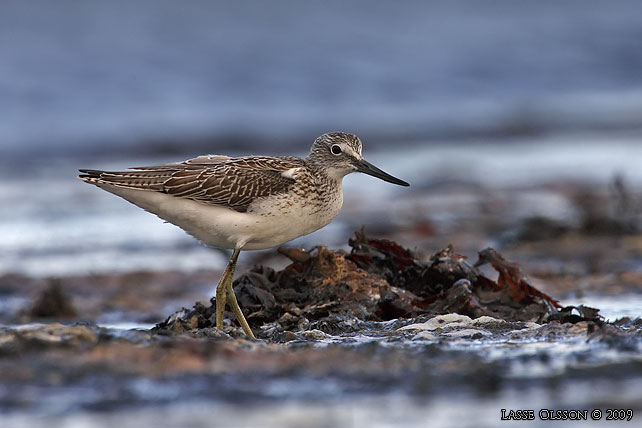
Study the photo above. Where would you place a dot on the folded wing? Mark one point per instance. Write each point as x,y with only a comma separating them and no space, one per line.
217,180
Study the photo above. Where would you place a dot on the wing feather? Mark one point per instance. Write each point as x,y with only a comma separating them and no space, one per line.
212,179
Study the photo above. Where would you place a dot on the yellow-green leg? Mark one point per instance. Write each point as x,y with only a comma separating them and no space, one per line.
221,298
237,311
225,290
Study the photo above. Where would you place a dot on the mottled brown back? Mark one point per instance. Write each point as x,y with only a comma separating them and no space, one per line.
217,180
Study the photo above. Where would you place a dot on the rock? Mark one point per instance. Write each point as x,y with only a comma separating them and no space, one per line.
440,322
52,303
15,340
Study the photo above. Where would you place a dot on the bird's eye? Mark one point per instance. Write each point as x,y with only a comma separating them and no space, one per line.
336,149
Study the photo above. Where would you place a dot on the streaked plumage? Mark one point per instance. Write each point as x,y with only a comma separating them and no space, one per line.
215,180
245,203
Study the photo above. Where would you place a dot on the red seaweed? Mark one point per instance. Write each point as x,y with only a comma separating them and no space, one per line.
380,280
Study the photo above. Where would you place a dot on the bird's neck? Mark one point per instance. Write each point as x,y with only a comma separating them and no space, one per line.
330,177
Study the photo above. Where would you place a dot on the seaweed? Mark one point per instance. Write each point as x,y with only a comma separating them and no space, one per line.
379,280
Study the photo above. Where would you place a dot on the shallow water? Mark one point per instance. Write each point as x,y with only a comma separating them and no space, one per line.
614,307
449,382
381,412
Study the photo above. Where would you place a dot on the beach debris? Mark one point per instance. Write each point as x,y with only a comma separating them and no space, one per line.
379,280
512,279
449,284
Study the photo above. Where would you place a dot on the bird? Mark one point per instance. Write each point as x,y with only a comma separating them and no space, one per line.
244,203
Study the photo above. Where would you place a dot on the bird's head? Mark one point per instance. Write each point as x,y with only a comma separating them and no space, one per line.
340,154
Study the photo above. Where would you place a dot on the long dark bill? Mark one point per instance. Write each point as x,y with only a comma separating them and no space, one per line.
370,169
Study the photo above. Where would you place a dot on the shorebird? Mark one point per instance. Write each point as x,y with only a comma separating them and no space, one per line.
244,203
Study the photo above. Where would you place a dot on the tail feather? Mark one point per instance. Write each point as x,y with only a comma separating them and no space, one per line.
143,180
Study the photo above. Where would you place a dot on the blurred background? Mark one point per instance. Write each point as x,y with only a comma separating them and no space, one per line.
508,117
518,124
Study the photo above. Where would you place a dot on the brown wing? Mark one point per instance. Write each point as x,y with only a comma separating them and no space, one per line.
218,180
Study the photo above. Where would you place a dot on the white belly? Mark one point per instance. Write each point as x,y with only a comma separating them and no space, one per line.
266,224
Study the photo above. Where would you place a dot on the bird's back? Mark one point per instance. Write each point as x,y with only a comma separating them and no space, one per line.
218,180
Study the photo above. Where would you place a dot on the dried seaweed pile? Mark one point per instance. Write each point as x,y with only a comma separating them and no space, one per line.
377,281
